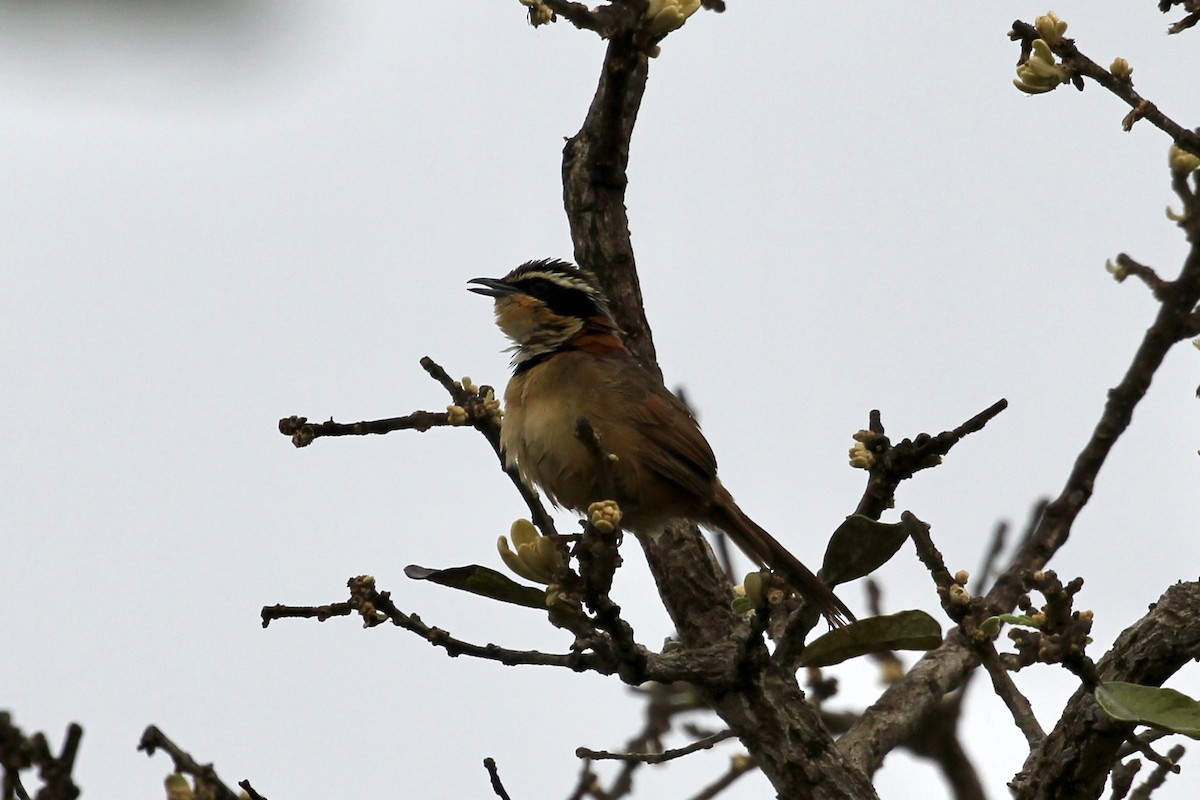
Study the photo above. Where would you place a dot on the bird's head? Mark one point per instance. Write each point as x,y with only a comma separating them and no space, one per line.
547,306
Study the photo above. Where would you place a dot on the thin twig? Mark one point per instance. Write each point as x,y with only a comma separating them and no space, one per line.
1146,737
714,667
899,462
1146,274
154,739
494,774
738,766
1159,776
657,758
488,424
302,432
1017,703
1123,88
1142,746
988,565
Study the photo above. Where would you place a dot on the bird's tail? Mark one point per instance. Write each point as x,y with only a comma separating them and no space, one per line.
766,551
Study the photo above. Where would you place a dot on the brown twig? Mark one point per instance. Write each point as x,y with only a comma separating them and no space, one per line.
488,424
1128,266
896,463
19,752
714,667
657,758
738,766
302,432
1121,87
1017,703
208,784
1178,300
1159,775
494,775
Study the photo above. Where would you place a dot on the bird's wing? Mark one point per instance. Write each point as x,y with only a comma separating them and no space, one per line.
678,450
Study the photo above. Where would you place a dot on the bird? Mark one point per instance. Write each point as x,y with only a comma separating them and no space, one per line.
570,363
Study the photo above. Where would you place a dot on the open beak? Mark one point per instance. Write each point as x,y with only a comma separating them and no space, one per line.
492,287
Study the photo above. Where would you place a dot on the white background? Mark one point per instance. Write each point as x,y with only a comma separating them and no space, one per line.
216,214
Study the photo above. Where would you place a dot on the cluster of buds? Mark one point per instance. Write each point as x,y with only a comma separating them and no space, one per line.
539,14
1060,634
664,16
362,599
481,403
1040,73
1050,27
605,515
861,456
1181,161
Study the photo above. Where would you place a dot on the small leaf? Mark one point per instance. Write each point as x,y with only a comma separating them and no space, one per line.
742,605
905,630
1019,619
1150,705
481,581
990,627
859,546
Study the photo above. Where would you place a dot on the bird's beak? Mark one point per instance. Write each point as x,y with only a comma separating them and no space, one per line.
492,287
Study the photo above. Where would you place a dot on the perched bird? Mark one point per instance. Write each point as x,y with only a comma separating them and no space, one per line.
570,363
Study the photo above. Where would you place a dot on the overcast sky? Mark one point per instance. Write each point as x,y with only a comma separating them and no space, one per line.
216,214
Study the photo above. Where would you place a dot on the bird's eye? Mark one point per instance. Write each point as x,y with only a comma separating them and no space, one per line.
538,287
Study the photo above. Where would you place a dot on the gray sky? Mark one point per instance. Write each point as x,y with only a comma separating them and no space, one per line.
213,215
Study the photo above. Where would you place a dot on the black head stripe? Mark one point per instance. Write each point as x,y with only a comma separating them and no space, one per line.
565,289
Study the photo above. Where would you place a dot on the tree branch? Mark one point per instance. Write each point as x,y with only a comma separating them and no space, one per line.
1075,758
657,758
1121,87
896,463
713,666
207,782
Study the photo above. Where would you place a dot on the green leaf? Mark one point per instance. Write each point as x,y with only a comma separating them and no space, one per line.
1150,705
990,627
1019,619
859,546
742,605
482,581
905,630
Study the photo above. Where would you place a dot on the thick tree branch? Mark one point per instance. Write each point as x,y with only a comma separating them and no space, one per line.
594,181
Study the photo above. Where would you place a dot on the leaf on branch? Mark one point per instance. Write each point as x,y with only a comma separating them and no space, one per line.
1150,705
859,546
905,630
481,581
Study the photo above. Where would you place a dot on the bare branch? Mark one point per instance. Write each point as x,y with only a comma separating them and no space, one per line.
19,752
738,766
714,666
657,758
1017,703
494,774
1159,776
896,463
207,782
303,432
1126,266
